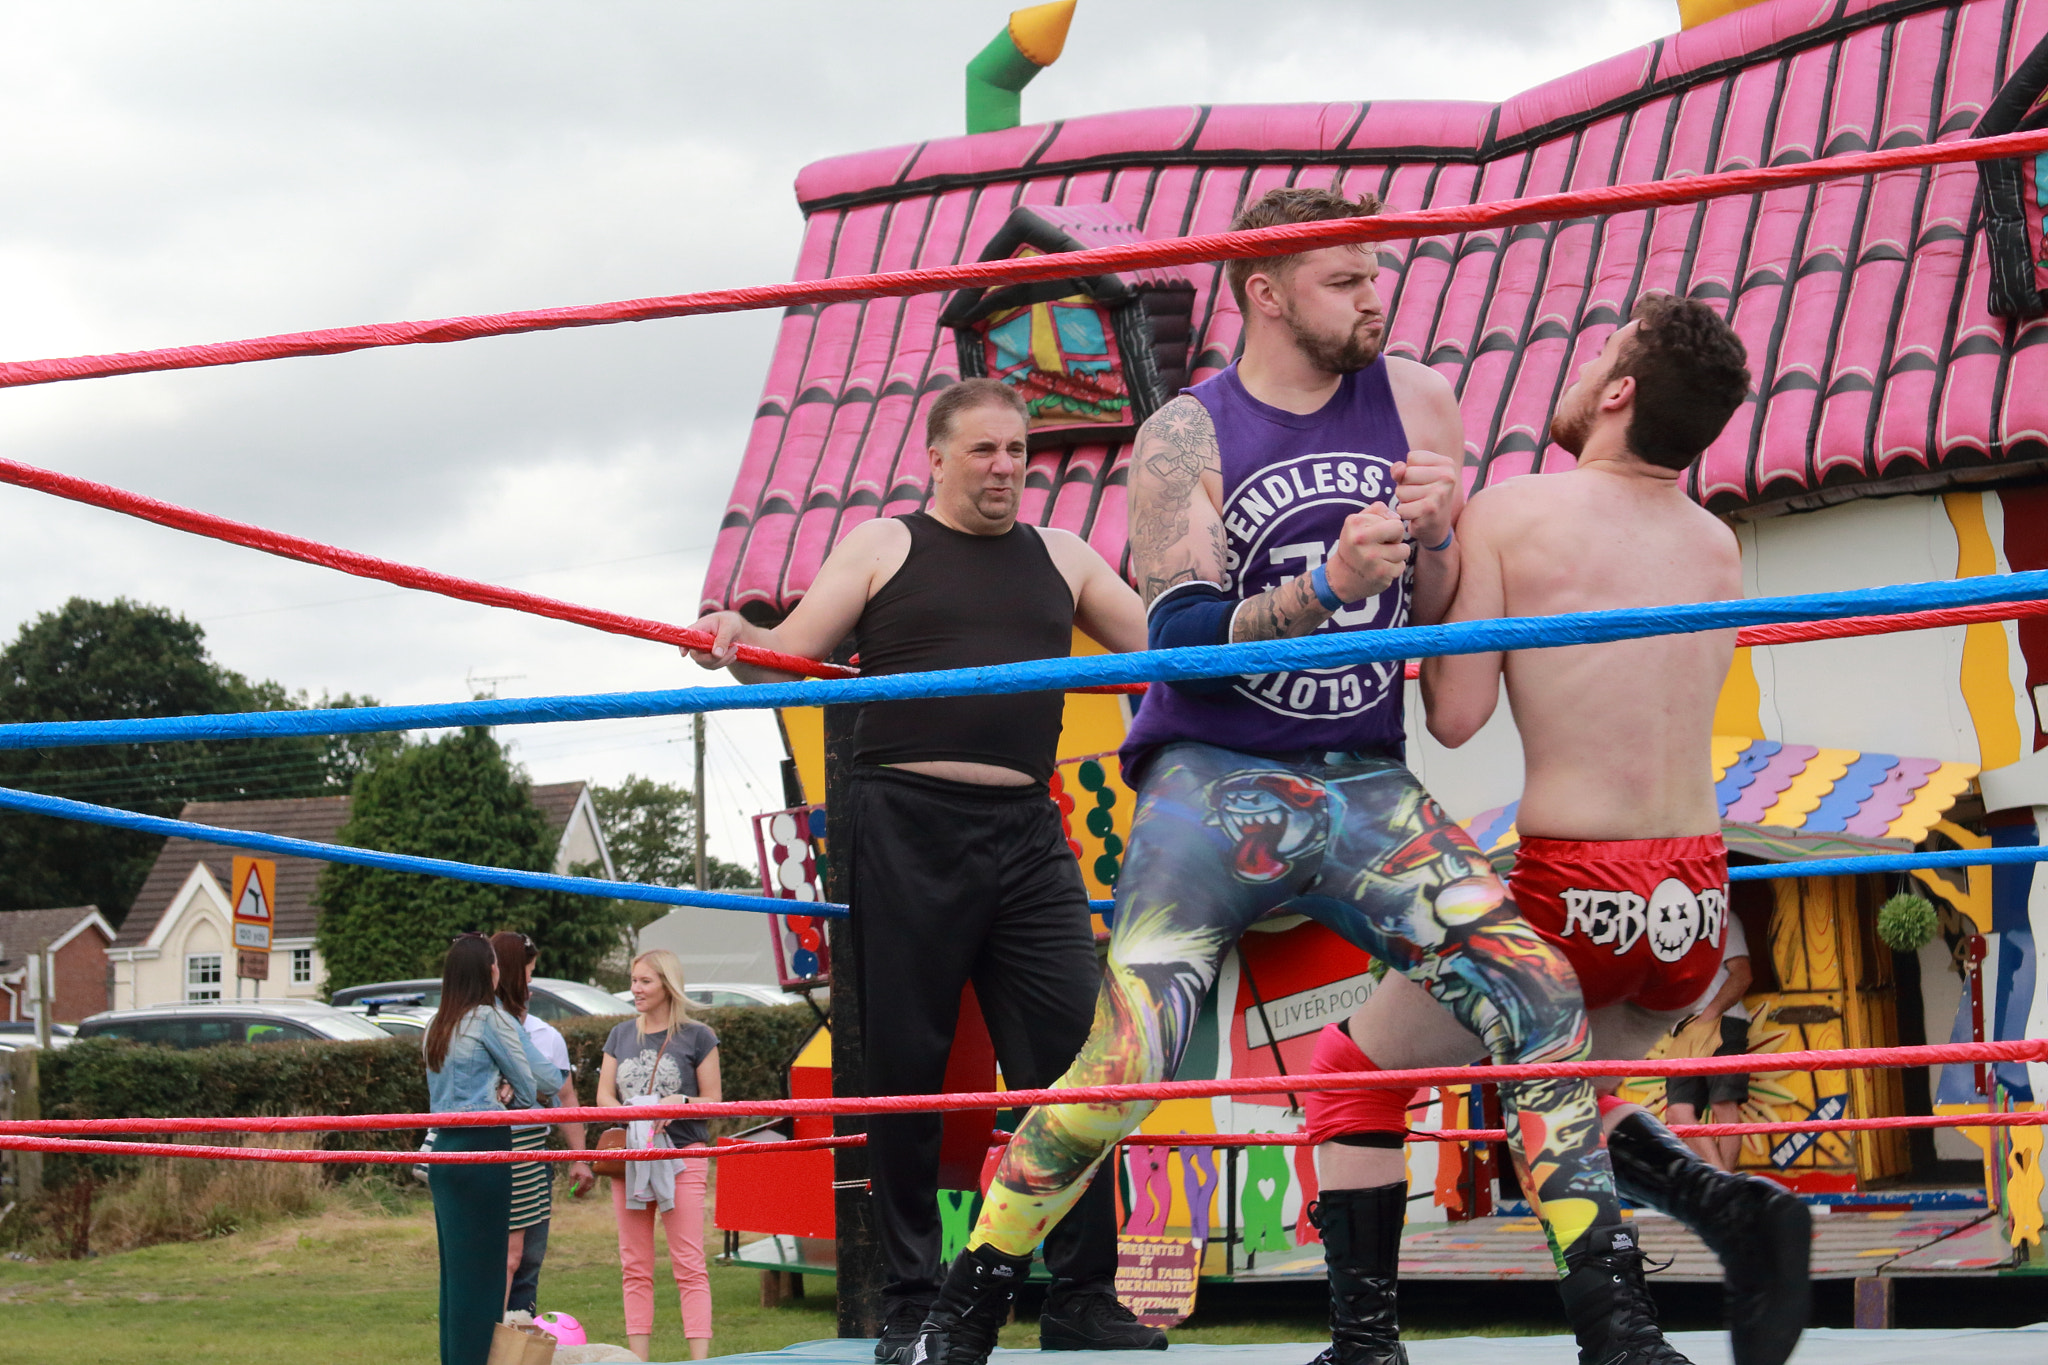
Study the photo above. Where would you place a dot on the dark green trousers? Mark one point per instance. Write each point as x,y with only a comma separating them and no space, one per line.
472,1206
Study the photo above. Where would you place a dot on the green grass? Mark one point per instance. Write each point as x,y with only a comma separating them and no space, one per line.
355,1284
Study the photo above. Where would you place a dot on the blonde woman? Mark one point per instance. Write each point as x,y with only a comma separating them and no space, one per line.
662,1056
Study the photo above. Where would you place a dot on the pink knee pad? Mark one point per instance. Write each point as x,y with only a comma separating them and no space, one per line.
1331,1114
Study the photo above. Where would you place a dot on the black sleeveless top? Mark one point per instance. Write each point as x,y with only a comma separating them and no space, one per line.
964,601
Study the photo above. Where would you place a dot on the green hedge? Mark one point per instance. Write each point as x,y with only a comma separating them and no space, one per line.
98,1078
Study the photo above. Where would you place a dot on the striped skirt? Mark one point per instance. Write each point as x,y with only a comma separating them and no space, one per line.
533,1182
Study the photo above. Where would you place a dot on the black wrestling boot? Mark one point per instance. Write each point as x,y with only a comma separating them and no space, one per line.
1608,1304
1362,1248
1094,1320
901,1318
972,1306
1761,1233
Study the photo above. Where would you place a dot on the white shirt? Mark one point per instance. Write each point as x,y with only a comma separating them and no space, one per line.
1734,943
548,1040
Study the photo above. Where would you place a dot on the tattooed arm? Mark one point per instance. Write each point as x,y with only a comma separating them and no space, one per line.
1177,531
1176,491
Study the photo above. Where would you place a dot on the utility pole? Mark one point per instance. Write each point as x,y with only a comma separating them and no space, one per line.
43,994
697,728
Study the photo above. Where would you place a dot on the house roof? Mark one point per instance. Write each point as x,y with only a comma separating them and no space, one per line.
22,932
1783,802
317,818
1862,302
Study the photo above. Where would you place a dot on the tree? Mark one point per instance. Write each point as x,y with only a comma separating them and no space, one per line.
457,798
651,829
116,660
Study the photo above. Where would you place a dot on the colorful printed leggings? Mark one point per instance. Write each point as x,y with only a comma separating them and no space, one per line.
1352,841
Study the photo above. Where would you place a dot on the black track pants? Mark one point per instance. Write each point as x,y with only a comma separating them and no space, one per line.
952,883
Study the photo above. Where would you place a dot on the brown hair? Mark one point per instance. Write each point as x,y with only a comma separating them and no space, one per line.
967,394
514,952
1294,204
1691,373
465,984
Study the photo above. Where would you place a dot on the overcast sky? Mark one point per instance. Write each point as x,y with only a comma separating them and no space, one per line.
204,171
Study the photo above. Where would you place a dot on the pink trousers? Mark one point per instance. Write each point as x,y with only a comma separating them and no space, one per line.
684,1224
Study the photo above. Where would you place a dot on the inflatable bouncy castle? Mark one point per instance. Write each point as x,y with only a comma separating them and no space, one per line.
1897,328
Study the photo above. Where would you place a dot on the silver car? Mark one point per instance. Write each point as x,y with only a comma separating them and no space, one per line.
232,1021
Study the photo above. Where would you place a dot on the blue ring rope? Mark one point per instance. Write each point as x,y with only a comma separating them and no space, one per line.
58,807
1045,675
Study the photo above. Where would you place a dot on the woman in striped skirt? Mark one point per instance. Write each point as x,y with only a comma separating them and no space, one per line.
533,1182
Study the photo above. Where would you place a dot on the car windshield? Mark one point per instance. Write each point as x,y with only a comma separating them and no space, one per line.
581,998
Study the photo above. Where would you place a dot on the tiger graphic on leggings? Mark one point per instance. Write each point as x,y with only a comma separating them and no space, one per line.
1220,839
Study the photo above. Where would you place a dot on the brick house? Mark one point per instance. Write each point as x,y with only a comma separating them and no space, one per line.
78,938
177,944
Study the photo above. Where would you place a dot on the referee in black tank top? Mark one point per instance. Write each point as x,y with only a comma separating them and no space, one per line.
959,870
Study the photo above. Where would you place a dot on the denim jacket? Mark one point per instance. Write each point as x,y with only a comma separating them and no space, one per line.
487,1044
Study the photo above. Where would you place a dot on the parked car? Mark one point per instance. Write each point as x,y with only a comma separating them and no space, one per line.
232,1021
401,1016
729,994
552,998
16,1033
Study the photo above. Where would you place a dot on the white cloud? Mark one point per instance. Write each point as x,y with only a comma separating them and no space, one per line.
209,170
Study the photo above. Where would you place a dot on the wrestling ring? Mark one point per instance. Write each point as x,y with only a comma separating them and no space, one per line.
1764,620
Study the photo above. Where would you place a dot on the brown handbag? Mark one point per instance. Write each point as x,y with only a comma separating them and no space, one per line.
611,1140
614,1139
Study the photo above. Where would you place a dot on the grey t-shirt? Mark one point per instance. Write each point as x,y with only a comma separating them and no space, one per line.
647,1067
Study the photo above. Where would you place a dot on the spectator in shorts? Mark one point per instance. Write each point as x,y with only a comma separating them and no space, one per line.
533,1182
662,1057
1685,1097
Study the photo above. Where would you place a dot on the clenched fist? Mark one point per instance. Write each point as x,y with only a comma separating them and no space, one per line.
1429,490
1370,554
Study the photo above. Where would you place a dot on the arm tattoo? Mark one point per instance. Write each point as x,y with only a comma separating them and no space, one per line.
1174,448
1282,612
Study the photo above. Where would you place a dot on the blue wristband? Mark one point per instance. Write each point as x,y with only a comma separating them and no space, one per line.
1449,536
1319,584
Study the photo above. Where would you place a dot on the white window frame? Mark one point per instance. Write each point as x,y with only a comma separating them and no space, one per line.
198,989
302,966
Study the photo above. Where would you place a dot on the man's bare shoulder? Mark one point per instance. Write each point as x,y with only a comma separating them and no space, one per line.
1066,548
1500,505
1413,377
1180,430
877,535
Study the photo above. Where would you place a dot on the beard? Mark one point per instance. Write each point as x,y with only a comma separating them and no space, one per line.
1343,353
1570,425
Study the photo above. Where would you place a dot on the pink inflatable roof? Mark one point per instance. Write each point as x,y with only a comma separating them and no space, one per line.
1862,302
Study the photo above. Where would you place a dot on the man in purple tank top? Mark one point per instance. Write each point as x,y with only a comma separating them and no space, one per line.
1312,486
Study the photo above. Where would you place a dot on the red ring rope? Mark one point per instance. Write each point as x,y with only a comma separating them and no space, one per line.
310,1156
470,590
386,571
1217,246
2015,1050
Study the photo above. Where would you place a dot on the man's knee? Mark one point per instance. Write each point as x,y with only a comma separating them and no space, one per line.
1367,1116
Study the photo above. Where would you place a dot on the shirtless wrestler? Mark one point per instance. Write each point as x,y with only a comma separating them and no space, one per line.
1621,863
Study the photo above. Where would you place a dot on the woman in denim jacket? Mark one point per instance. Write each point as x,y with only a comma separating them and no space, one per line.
477,1057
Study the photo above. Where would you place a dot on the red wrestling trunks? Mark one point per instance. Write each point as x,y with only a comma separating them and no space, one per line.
1640,919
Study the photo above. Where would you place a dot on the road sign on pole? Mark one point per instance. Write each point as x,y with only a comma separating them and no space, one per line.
254,898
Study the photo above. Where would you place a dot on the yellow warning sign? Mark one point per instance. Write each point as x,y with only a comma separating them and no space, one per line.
255,899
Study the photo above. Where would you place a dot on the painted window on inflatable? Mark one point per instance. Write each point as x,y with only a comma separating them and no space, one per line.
1062,357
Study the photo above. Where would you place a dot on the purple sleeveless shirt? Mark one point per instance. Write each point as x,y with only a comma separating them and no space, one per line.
1289,481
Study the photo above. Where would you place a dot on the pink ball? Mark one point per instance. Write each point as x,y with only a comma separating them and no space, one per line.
564,1329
